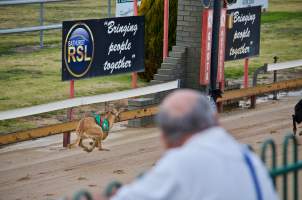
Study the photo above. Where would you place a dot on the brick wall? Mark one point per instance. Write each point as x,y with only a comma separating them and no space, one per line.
186,53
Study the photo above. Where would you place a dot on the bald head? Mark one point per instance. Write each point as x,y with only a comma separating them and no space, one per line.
180,102
185,112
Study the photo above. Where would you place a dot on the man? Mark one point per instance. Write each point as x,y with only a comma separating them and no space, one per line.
202,161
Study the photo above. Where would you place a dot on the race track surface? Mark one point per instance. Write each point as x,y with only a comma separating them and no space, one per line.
42,169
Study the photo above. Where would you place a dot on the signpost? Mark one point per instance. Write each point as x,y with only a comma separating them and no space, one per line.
166,29
134,74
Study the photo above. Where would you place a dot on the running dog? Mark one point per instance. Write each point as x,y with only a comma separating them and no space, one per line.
96,128
297,117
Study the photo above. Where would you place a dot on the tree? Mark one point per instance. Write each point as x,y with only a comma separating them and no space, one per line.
153,10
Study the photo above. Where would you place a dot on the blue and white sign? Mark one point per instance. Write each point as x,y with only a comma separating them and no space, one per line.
124,8
101,47
249,3
78,50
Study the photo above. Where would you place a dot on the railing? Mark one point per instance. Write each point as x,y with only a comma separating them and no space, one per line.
70,126
133,114
272,68
41,27
70,103
275,171
286,168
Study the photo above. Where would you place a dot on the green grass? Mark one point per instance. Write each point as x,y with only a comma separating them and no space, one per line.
281,35
278,16
30,75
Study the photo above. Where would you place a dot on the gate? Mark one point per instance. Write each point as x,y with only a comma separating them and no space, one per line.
286,168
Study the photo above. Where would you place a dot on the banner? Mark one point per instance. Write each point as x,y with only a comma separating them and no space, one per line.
248,3
125,8
243,38
221,51
206,46
101,47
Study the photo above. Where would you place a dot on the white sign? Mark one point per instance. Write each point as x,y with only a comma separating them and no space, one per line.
124,8
248,3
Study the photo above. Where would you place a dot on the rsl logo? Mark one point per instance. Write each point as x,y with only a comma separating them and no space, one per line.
79,50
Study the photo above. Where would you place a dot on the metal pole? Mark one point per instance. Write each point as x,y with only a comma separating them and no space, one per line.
166,29
246,73
134,74
215,47
275,78
109,8
41,23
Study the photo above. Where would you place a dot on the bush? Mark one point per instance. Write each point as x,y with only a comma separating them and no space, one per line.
154,20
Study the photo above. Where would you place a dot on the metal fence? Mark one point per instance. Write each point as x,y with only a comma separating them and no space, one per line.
286,168
41,26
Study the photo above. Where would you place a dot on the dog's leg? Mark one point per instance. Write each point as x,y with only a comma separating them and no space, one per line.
100,146
76,143
294,125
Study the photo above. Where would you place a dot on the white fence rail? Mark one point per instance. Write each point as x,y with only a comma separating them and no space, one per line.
283,65
19,2
41,26
69,103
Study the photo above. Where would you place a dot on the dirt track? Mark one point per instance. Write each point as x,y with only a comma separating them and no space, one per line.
41,169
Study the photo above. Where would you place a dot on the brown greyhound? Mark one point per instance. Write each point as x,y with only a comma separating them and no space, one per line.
89,129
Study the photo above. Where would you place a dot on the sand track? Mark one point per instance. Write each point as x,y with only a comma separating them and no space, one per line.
42,169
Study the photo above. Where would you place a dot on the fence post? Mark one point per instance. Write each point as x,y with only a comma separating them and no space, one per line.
275,77
272,145
41,23
295,160
255,77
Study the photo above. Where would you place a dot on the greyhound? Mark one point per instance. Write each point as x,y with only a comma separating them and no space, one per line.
297,117
88,128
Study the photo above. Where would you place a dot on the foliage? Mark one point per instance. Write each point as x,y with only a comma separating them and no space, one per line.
153,10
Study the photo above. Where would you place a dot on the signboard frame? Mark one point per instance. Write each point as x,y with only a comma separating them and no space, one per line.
117,47
243,38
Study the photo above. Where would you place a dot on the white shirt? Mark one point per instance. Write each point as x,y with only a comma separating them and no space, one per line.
209,166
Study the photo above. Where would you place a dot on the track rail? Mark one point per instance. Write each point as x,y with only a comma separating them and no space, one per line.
134,114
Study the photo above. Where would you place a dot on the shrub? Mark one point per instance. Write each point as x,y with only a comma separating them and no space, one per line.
153,10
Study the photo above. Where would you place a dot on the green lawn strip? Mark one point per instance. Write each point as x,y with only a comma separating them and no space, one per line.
277,17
